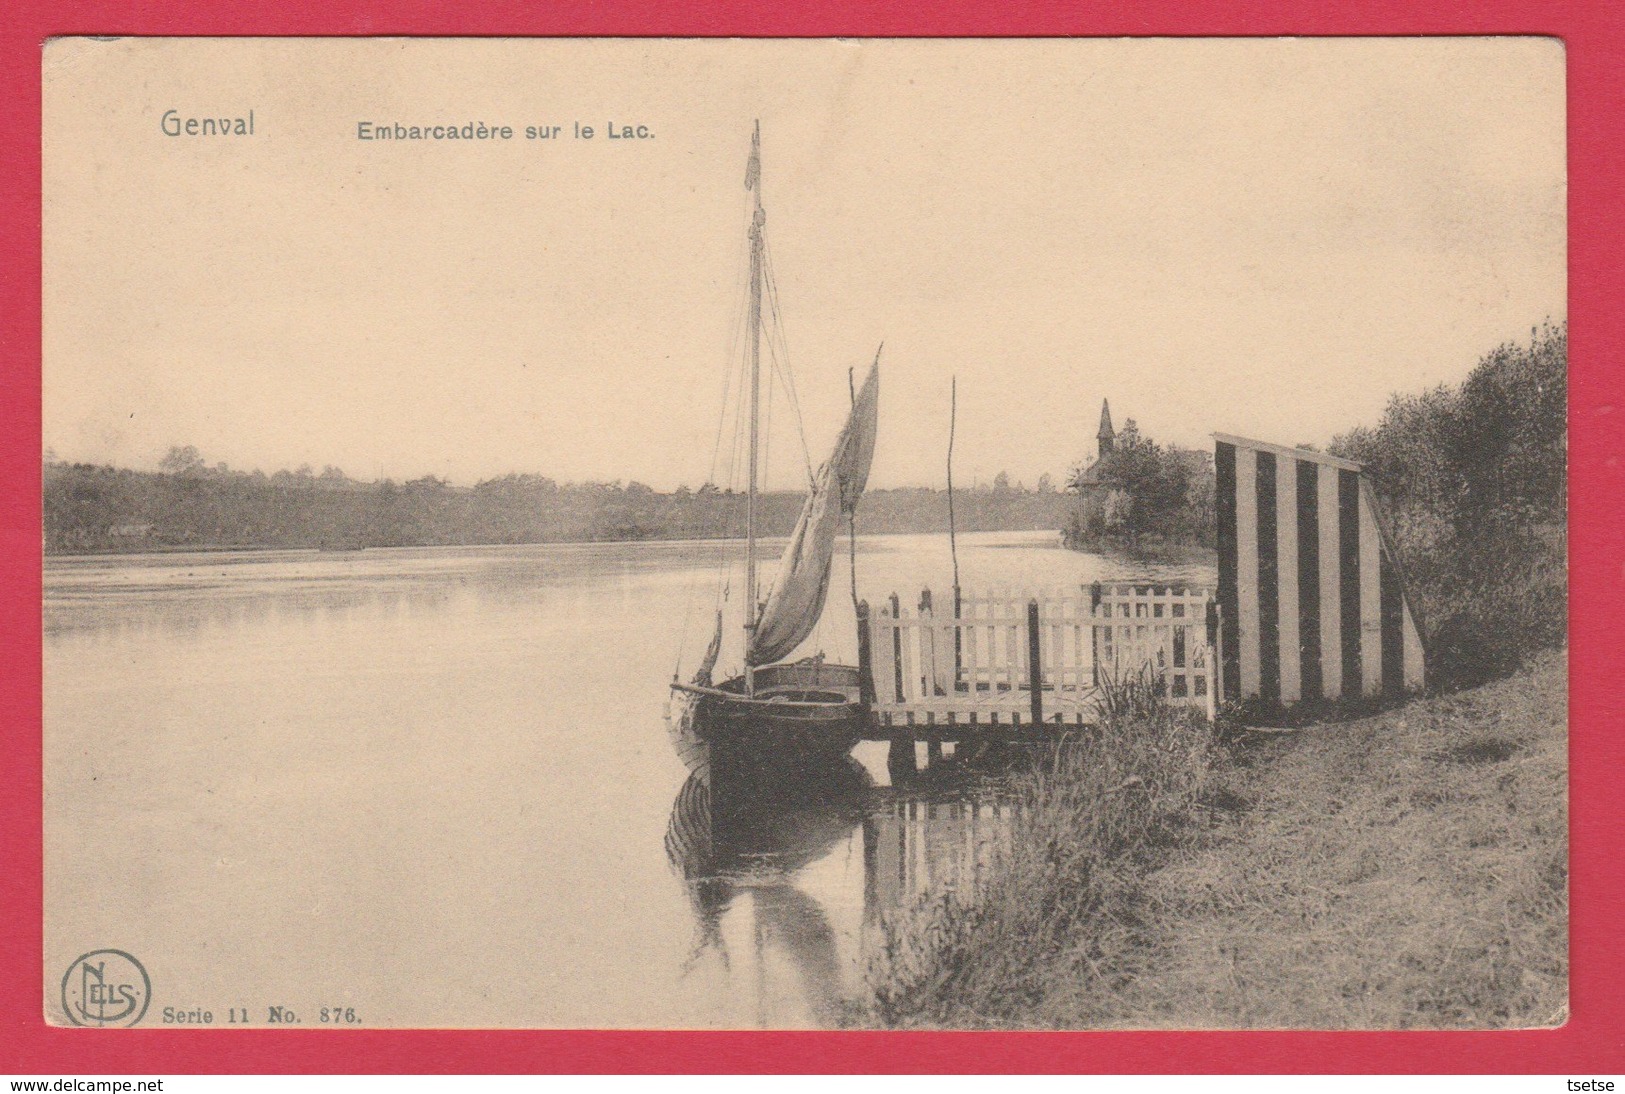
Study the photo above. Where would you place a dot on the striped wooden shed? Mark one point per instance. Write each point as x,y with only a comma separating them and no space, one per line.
1312,602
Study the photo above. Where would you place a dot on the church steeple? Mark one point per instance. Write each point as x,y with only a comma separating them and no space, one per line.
1107,435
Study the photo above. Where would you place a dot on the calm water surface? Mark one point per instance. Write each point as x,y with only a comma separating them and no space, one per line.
435,785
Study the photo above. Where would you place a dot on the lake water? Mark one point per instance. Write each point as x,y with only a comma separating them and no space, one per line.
435,785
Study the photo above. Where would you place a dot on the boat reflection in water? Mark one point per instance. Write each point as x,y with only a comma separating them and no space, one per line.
787,877
744,848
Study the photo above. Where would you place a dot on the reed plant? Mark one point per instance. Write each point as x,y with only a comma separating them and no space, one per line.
1063,895
1125,692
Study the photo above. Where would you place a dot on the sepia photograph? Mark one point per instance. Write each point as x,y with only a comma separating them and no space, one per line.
933,534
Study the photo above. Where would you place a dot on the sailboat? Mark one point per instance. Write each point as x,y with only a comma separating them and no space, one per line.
809,709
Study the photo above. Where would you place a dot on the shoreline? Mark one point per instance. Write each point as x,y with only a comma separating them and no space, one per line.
1314,879
266,547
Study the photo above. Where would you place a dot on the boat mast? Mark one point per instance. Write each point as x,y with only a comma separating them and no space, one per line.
753,182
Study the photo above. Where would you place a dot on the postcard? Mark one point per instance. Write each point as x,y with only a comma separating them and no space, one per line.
731,534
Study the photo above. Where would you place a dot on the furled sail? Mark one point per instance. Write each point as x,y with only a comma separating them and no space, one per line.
797,597
702,675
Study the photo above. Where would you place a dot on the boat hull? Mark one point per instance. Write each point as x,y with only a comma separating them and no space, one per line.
804,712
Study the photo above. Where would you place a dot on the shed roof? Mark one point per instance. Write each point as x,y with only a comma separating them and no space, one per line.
1284,450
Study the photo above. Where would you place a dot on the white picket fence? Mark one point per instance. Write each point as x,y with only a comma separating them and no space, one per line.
929,666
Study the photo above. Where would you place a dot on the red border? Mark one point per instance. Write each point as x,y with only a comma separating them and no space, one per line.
1592,1041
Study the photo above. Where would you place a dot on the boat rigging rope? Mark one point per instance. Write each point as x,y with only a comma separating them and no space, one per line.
737,456
767,452
779,354
722,586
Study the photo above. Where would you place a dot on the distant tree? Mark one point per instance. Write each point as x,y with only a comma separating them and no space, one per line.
1153,485
181,460
331,474
1046,485
517,484
1001,482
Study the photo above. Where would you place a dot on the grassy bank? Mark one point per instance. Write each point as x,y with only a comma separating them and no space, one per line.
1406,870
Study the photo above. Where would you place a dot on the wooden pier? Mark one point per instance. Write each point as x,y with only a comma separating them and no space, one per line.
1010,665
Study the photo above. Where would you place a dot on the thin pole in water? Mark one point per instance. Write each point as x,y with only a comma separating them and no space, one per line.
953,544
953,548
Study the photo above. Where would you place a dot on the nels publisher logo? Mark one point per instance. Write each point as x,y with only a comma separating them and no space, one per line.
106,988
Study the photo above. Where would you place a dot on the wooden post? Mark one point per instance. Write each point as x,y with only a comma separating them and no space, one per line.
1035,670
1094,629
866,668
900,756
897,648
959,637
930,671
929,684
1215,641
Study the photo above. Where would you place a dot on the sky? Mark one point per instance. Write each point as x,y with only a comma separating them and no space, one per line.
1260,237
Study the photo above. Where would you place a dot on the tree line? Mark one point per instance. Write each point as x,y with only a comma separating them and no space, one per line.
192,504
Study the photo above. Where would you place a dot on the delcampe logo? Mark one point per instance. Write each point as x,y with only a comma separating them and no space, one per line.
106,988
